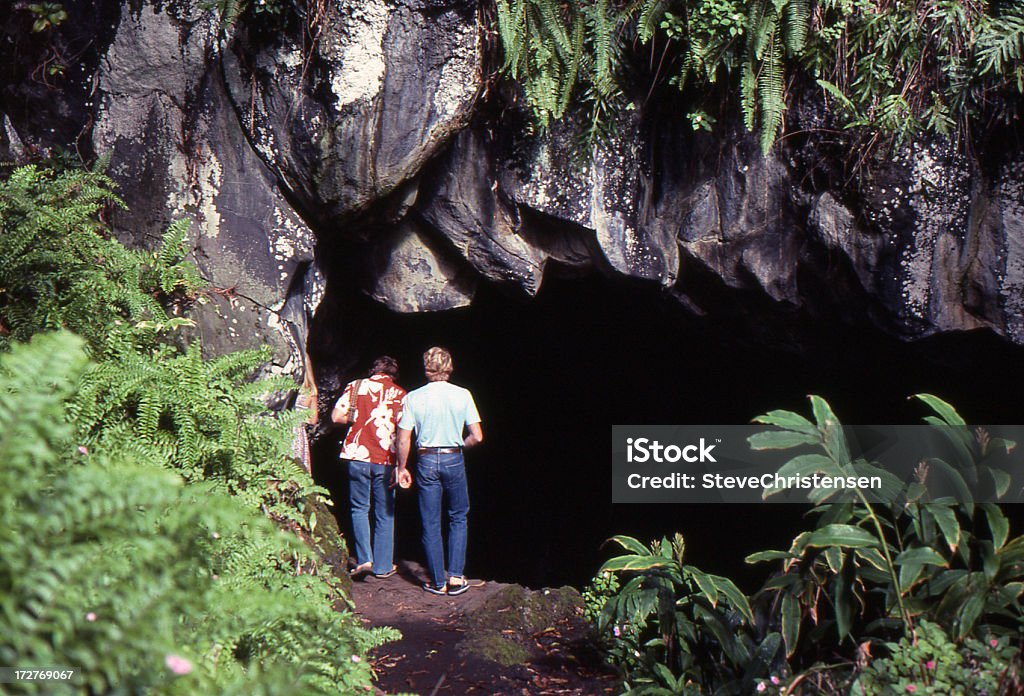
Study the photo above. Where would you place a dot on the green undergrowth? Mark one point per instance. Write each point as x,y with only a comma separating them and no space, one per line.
150,508
891,70
913,591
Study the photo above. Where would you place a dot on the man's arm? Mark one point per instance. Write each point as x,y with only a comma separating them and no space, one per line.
475,437
339,416
342,407
402,475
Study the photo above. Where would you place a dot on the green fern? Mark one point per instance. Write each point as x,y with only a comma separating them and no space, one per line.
871,53
133,491
1001,42
112,567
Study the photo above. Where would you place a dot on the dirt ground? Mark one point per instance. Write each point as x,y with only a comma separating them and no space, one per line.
495,639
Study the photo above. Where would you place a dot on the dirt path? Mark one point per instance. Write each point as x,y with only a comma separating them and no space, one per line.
494,639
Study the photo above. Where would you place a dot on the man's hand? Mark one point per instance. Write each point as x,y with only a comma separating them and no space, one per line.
475,437
403,478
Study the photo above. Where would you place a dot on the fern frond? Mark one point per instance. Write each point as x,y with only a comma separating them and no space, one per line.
797,22
1000,44
771,93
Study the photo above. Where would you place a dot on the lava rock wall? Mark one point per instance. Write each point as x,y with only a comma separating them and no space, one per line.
370,148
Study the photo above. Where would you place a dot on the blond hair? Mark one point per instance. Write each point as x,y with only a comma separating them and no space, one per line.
437,363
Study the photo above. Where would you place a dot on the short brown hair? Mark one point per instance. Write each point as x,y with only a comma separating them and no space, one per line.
385,365
437,363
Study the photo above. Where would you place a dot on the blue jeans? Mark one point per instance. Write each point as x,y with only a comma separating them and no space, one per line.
443,476
366,481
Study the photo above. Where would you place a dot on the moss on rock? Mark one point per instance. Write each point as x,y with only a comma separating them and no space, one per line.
503,627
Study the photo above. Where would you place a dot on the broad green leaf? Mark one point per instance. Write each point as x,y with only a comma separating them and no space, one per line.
957,435
788,421
630,544
635,563
760,662
834,558
990,561
736,598
1013,552
962,491
841,535
942,408
997,523
945,579
803,465
705,583
892,486
823,414
909,574
844,599
790,623
921,555
1001,480
808,464
780,439
832,431
945,518
874,557
665,675
969,614
763,556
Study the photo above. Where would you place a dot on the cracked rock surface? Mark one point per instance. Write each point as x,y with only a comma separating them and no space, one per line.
367,149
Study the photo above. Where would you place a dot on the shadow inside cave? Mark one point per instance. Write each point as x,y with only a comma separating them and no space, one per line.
551,375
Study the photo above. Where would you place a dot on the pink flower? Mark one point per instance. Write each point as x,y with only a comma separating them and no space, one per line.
775,680
617,631
178,664
91,616
911,689
357,659
82,449
930,664
761,686
994,643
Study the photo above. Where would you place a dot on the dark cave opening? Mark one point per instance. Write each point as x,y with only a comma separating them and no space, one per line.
552,374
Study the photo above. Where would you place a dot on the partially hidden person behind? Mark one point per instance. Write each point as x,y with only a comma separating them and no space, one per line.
306,399
440,413
372,406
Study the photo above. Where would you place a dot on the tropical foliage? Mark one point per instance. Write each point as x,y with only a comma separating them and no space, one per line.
922,578
892,68
134,544
674,629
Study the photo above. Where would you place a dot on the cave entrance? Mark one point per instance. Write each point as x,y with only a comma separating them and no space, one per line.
551,375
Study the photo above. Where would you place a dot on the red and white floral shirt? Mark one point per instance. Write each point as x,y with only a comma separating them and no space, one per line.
371,437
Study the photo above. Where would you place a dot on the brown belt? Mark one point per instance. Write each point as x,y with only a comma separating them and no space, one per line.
439,450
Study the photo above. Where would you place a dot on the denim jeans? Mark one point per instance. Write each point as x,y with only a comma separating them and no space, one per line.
443,477
368,481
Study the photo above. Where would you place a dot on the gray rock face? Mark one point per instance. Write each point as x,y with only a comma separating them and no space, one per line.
177,151
362,132
345,121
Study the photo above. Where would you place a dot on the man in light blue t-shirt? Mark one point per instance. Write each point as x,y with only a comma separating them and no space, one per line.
439,412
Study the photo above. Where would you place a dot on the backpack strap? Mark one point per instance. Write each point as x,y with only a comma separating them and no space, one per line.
352,402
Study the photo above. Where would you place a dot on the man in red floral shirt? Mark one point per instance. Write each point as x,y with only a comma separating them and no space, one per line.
373,407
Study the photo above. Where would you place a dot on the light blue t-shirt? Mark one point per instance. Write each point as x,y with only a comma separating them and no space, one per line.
438,412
